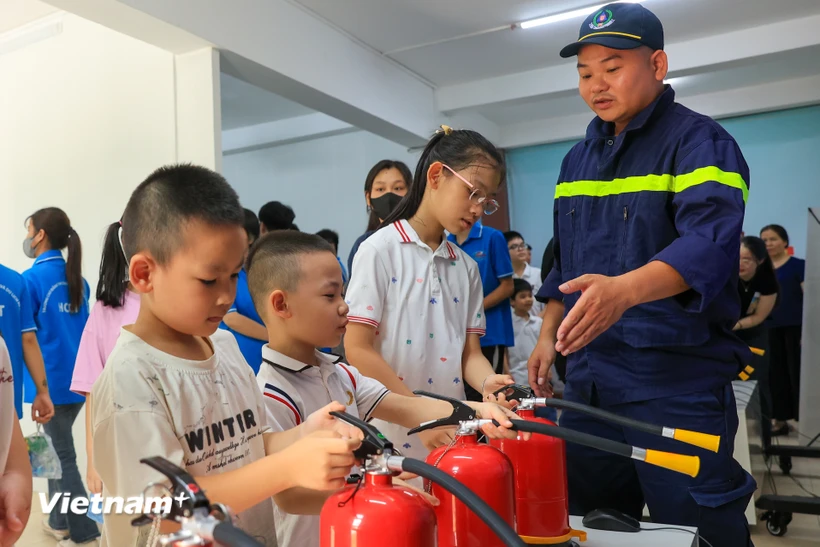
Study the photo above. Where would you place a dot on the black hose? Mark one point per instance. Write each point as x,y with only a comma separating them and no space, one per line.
652,429
572,436
478,506
230,536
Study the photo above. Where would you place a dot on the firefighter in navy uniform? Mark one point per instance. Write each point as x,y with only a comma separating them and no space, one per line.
647,220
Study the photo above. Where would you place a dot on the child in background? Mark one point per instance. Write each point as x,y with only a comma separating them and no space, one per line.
15,470
58,297
526,327
416,300
519,253
296,282
117,305
488,248
176,386
242,319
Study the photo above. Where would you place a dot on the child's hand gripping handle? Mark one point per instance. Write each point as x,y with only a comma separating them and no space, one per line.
461,413
373,444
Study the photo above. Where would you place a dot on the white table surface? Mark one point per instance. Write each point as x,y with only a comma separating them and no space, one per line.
666,538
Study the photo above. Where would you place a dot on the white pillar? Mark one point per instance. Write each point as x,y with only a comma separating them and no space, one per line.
810,355
198,109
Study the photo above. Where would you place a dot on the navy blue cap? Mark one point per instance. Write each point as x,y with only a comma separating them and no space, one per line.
619,26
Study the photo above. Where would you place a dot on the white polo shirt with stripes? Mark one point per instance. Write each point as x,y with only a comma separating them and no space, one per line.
422,303
293,391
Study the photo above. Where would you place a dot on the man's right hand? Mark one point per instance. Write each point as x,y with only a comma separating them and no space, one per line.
539,368
321,460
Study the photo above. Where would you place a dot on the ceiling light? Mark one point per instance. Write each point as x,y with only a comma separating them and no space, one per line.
563,16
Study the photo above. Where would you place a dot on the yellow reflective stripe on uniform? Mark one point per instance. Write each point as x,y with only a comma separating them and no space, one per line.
652,183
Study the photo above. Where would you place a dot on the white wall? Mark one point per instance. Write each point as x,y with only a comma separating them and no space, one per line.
322,179
84,117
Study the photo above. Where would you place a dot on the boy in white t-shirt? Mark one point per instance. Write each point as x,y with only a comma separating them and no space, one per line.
526,328
176,387
296,284
15,470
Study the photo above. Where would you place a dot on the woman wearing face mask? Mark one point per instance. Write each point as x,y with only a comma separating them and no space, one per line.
758,290
385,185
59,300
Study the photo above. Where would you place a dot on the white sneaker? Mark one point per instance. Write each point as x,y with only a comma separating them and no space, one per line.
68,543
56,534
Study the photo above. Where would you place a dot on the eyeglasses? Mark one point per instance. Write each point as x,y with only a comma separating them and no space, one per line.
489,206
518,247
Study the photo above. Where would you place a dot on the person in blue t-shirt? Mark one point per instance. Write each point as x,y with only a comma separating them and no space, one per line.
18,328
242,319
58,296
488,247
785,329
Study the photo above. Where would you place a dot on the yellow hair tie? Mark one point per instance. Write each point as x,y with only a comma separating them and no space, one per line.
447,129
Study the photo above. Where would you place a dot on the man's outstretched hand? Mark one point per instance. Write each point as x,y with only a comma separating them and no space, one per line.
603,301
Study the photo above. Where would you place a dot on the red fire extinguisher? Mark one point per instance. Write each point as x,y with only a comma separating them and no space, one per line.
482,468
474,477
542,509
374,513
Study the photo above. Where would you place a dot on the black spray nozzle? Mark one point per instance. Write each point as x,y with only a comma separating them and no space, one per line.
702,440
187,494
373,444
461,413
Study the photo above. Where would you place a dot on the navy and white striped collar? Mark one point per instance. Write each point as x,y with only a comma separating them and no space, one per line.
289,364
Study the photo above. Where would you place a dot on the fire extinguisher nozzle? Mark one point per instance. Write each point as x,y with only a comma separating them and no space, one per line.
688,465
703,440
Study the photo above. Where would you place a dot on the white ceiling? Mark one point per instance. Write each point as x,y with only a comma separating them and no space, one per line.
388,25
505,82
245,104
769,69
16,13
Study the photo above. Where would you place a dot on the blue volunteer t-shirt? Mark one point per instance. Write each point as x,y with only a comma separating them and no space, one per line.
251,348
488,248
58,329
15,319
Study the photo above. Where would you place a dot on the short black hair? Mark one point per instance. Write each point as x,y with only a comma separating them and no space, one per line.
330,236
512,234
169,198
251,225
274,262
275,215
520,285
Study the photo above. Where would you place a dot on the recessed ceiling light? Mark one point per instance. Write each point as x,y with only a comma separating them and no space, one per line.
572,14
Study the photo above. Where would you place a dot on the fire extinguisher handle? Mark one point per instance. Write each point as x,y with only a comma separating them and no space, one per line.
373,444
515,392
461,413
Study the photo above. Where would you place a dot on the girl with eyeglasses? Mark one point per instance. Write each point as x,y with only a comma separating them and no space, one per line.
416,300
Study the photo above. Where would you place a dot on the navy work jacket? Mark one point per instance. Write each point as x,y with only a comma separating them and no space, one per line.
671,187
